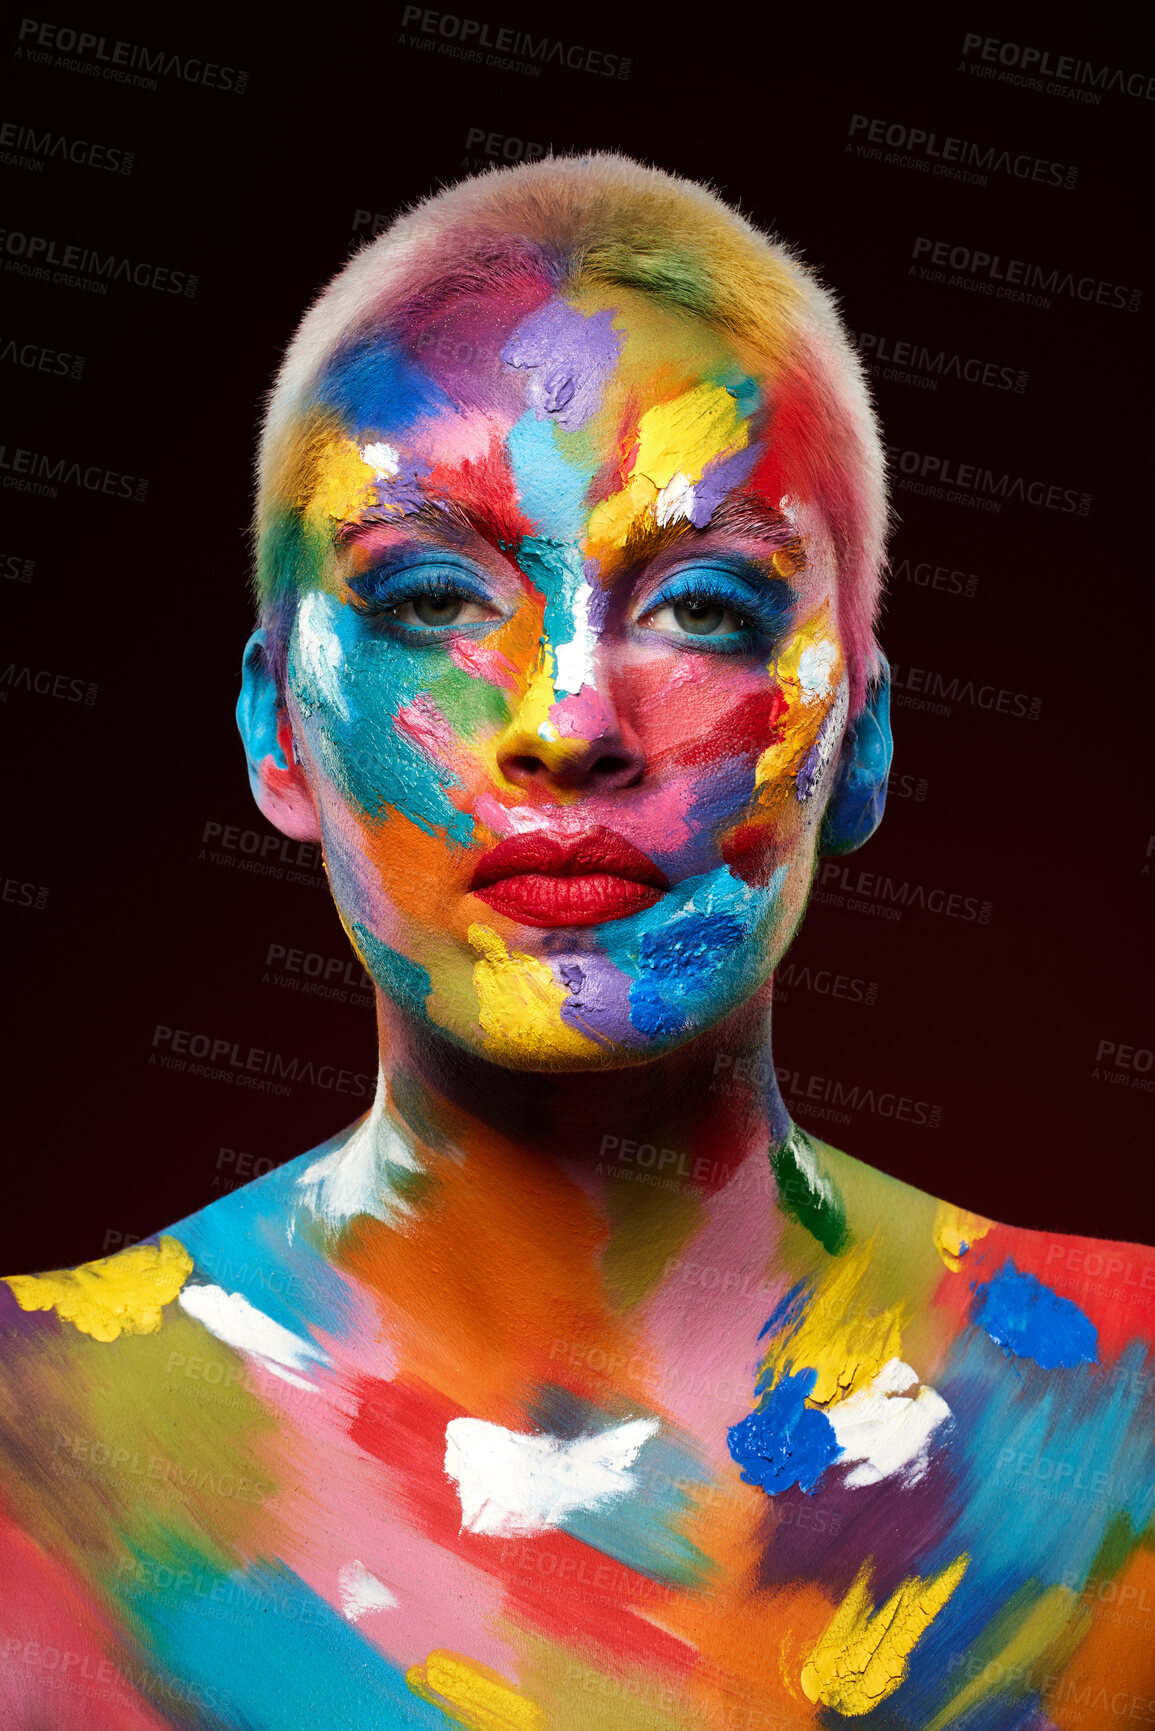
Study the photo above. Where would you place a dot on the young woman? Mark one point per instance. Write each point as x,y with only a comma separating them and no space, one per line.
575,1385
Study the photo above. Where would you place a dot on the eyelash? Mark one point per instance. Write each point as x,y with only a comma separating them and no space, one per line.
761,618
379,594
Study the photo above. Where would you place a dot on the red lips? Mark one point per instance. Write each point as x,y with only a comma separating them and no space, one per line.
545,880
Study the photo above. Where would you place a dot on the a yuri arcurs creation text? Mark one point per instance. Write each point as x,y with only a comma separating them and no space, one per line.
575,1386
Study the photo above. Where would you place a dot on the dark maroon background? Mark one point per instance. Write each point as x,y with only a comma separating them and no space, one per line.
998,1025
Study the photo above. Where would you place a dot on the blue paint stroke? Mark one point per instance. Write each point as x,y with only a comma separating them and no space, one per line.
1027,1319
783,1441
675,967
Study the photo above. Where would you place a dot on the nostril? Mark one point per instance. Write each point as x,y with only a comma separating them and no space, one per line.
526,765
610,766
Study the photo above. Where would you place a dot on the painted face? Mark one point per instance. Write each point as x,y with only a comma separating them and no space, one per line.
565,677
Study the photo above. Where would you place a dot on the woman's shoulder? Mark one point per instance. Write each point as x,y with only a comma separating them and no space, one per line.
257,1243
1026,1285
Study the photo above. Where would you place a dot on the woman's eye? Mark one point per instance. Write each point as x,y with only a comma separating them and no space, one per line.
441,607
697,616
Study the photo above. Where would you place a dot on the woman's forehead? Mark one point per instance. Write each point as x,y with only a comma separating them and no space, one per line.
586,412
578,359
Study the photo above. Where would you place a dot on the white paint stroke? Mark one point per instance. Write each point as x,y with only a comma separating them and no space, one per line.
362,1592
815,665
320,651
887,1426
512,1484
383,459
231,1317
676,500
353,1179
574,661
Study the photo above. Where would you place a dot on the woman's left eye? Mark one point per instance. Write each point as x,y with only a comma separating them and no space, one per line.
697,616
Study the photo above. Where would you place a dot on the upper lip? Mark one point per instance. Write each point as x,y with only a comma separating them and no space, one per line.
593,851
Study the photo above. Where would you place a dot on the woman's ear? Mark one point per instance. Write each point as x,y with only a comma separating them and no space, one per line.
854,809
276,778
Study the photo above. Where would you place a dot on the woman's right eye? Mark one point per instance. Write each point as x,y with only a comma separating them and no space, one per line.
441,607
423,599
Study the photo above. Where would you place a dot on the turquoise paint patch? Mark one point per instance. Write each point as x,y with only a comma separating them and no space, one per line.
641,1531
240,1243
1026,1318
406,982
283,1660
552,486
351,684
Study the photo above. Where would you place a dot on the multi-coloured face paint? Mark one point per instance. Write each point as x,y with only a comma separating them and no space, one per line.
547,594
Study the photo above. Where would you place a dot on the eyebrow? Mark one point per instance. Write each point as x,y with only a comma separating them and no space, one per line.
755,518
452,519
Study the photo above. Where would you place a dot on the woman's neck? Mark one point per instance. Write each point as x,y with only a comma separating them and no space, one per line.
700,1111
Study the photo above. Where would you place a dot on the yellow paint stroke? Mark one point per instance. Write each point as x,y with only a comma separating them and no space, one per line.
861,1659
955,1230
520,1002
680,437
840,1334
809,669
1055,1621
529,727
473,1695
122,1294
345,483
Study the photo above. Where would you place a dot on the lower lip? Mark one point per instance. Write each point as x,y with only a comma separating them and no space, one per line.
537,899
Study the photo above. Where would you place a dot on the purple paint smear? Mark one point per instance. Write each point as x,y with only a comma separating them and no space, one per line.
719,480
567,358
599,1001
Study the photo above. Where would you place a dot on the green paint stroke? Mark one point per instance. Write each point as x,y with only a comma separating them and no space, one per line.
808,1194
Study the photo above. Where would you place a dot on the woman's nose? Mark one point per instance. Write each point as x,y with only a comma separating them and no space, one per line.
585,743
